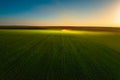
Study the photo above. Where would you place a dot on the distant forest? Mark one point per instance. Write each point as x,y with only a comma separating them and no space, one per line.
86,28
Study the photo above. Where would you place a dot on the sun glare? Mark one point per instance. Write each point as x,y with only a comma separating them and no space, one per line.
70,31
65,30
118,18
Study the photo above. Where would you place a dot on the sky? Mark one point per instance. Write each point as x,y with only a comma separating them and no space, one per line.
60,12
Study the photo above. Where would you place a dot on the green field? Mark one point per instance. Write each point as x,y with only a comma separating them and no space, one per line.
59,55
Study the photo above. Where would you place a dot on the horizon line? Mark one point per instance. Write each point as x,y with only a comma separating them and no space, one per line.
58,26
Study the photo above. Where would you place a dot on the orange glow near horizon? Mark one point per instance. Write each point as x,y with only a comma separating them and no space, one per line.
109,18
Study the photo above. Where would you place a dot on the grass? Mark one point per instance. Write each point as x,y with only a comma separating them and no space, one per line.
59,55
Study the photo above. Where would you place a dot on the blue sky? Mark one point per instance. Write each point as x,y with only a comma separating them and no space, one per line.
53,12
